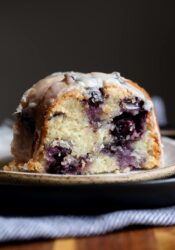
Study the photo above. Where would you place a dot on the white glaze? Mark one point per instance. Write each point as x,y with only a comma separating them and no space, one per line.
58,83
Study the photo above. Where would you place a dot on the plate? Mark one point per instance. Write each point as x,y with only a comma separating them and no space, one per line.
28,193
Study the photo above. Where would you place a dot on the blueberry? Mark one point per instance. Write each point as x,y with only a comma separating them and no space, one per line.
123,128
126,158
55,156
93,108
126,129
57,163
93,114
132,105
96,98
26,117
73,167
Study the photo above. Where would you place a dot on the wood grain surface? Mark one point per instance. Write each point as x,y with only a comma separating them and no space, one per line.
162,238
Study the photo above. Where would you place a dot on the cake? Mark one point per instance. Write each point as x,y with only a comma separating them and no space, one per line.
94,123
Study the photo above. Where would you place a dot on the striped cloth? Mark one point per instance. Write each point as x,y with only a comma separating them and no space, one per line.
26,228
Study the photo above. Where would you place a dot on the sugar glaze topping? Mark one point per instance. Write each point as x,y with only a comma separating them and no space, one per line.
58,83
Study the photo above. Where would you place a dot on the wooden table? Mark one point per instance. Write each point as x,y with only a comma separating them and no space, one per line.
162,238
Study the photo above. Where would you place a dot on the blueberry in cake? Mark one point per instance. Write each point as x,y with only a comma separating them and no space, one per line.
75,123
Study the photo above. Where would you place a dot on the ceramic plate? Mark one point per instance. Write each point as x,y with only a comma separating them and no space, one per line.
28,193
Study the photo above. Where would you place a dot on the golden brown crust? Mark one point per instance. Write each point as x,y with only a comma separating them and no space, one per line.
135,85
152,125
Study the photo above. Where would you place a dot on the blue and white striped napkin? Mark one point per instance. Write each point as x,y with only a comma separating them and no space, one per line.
49,227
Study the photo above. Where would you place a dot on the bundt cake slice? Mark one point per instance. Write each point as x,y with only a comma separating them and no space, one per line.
75,123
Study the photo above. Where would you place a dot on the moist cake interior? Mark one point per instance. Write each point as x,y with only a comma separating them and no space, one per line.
109,143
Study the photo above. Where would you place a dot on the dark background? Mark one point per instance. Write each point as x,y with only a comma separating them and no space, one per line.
135,37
